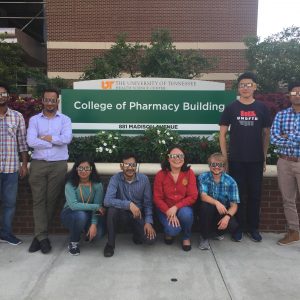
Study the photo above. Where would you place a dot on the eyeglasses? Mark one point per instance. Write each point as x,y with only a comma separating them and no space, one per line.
294,93
219,165
50,100
86,169
246,85
174,156
127,165
3,94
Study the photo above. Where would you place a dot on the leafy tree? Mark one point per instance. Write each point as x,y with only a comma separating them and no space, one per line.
121,58
12,67
14,70
160,59
276,60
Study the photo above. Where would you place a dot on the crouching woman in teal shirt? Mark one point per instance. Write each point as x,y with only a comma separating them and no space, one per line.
83,210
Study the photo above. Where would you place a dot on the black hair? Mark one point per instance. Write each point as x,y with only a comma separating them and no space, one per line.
51,90
3,85
165,165
127,155
247,75
293,84
73,177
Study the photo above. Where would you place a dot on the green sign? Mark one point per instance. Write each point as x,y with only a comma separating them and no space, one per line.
131,111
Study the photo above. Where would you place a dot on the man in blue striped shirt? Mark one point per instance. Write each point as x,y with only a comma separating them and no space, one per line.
285,135
129,200
220,197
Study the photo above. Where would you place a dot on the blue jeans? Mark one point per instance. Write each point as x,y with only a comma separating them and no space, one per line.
78,221
185,216
8,194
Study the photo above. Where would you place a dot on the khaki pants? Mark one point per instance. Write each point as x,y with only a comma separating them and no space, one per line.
47,181
289,184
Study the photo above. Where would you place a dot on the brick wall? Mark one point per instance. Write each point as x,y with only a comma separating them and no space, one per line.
272,216
188,20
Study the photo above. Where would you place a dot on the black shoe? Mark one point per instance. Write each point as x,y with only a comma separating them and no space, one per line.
35,246
137,241
169,240
74,248
108,251
186,247
45,246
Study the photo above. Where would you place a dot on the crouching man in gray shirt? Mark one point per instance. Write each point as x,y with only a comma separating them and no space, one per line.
129,201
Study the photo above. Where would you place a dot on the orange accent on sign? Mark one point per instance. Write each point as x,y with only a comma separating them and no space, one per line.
107,84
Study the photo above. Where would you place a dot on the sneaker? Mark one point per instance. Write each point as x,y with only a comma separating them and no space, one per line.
45,246
204,244
237,236
74,248
108,250
35,246
254,235
291,237
10,239
218,237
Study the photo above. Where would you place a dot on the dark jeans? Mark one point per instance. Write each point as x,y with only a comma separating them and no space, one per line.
209,218
249,176
8,196
116,216
78,221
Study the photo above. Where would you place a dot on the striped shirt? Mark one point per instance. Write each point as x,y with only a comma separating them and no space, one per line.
225,191
287,122
120,193
12,140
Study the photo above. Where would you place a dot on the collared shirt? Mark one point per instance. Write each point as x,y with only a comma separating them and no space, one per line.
12,140
225,191
168,193
287,122
59,127
120,193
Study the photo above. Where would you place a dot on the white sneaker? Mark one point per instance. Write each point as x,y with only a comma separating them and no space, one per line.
204,244
218,237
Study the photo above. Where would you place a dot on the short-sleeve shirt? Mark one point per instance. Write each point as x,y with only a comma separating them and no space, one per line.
225,191
246,127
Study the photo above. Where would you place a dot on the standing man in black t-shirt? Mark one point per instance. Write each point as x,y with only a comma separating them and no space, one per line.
249,121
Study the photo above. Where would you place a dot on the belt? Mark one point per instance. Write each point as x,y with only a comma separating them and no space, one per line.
290,158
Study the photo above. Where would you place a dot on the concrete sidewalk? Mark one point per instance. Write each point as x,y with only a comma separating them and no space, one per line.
245,270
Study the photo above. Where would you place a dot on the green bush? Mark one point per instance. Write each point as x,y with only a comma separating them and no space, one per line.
147,146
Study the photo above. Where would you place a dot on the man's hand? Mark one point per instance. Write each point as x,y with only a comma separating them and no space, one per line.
171,212
92,231
23,170
135,211
223,223
220,208
149,231
47,138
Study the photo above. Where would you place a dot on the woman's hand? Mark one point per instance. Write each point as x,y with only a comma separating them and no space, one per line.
92,232
102,211
173,221
171,212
